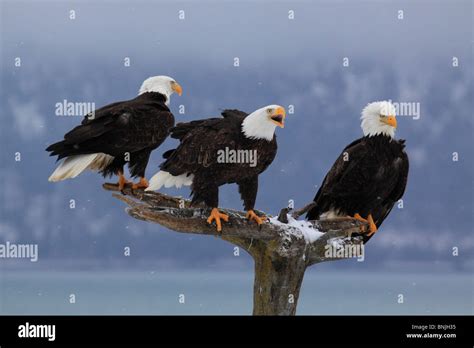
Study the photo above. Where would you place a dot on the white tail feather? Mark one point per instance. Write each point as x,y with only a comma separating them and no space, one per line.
101,161
75,165
332,214
165,179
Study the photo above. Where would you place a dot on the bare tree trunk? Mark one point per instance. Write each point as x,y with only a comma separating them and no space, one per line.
277,283
280,250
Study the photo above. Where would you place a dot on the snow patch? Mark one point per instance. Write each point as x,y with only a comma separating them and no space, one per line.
336,243
309,233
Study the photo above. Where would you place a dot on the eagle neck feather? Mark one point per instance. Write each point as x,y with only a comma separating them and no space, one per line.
254,128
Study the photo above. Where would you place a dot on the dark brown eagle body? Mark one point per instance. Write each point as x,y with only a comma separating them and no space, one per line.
201,145
369,177
128,130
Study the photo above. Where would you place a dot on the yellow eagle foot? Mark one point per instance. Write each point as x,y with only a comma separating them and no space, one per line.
254,217
370,221
142,184
217,216
122,182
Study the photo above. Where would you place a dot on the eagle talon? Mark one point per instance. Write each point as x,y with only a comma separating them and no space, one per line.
122,182
217,216
372,225
254,217
142,184
370,221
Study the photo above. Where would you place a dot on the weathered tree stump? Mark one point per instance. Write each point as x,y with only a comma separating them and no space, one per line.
282,248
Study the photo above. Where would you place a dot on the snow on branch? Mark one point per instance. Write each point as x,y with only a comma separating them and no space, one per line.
288,236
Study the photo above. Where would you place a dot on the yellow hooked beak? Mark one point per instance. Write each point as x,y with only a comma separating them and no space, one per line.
177,88
390,120
278,117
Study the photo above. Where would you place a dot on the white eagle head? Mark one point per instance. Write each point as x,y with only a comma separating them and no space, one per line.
161,84
379,118
261,123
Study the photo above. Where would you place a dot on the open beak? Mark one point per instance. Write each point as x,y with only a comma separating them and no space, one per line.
177,88
391,121
278,117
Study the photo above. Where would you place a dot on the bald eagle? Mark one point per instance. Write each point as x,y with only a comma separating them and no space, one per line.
369,176
126,131
212,152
